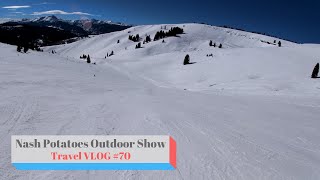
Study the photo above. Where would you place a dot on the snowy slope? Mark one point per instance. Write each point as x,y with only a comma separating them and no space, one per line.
196,37
250,112
245,64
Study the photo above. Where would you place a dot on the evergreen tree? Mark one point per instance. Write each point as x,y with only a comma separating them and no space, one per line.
156,37
210,43
148,39
279,43
220,46
138,46
214,45
19,48
186,60
315,71
88,59
25,48
118,41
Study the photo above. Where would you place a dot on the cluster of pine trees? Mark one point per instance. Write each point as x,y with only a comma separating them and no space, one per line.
275,43
81,57
26,47
135,38
174,31
147,40
138,45
214,44
87,57
108,55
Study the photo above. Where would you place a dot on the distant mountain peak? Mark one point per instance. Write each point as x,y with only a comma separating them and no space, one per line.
51,18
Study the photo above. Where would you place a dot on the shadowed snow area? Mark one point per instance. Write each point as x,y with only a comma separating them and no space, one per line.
249,112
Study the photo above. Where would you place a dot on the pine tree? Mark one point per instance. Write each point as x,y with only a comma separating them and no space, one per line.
186,60
220,46
118,41
19,48
25,49
214,45
88,59
210,44
156,37
138,46
148,39
279,43
315,71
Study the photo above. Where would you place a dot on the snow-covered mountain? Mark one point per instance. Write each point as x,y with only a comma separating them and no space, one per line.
80,27
52,30
248,111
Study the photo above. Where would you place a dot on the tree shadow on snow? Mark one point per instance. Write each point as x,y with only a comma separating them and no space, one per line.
191,63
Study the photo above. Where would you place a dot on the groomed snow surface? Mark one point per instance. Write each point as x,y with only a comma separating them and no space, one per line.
249,112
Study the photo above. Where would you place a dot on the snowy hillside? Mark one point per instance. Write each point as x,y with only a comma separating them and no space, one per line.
196,38
249,112
245,63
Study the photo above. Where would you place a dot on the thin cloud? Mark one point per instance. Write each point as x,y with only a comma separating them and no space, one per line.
53,12
15,7
45,3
